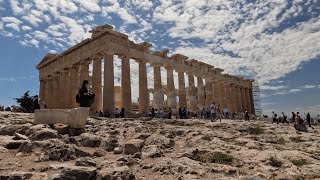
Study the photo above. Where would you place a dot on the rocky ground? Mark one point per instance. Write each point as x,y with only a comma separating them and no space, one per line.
156,149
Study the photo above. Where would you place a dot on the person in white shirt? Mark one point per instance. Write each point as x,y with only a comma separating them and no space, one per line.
226,112
213,110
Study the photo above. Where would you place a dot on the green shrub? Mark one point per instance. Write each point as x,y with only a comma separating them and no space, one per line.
256,130
274,162
299,162
216,157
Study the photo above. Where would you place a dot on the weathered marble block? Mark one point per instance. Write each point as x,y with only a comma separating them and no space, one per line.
75,118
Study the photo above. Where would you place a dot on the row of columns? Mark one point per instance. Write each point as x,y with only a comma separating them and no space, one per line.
59,90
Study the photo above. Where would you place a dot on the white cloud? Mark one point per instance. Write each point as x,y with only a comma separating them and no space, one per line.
294,90
26,28
309,86
265,87
40,35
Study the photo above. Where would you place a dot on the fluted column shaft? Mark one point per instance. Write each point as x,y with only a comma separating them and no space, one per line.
73,86
244,99
97,84
84,71
192,94
252,101
201,97
216,93
55,91
235,99
182,91
64,89
208,92
126,85
171,94
48,93
248,100
108,83
158,91
240,109
222,95
143,89
42,89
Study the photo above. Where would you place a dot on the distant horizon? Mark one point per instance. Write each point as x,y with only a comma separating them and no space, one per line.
276,43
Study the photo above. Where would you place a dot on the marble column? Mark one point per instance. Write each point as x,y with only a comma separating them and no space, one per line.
143,89
126,85
238,92
252,101
171,94
158,90
182,90
244,99
84,71
235,98
248,100
64,89
208,92
201,97
42,88
108,83
216,93
97,84
48,93
192,93
74,86
55,91
222,95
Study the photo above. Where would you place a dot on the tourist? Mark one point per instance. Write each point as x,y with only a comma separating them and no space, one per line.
160,113
308,119
208,113
318,119
116,113
213,110
293,117
203,113
84,94
226,112
122,112
247,116
184,113
42,104
169,113
188,113
156,113
100,114
219,113
153,113
284,118
275,118
198,113
180,113
299,124
149,113
35,103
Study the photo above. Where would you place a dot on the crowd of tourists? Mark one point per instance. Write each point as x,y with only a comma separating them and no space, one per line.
298,122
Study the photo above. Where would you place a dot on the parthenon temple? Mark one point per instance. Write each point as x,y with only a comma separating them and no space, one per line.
62,74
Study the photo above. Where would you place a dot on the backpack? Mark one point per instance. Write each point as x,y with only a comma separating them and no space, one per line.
78,98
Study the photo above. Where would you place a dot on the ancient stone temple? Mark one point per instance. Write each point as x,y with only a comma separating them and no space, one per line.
62,74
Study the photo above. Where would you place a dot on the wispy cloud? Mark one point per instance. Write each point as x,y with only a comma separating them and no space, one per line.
14,79
309,86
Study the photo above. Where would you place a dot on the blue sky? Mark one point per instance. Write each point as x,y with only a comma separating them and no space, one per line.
276,42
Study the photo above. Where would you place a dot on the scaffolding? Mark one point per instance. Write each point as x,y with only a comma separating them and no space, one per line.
256,98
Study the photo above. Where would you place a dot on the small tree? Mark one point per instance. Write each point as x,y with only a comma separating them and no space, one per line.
26,102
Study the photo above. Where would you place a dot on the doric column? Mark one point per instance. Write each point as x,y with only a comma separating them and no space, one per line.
64,89
97,84
216,93
158,91
56,91
244,99
192,93
182,91
48,93
74,85
252,101
235,98
143,89
84,71
239,100
248,100
108,83
208,92
126,85
171,95
42,88
222,91
201,97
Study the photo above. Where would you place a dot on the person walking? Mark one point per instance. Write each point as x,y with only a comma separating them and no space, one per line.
122,112
284,118
226,112
213,110
84,95
293,118
308,119
247,116
218,112
169,113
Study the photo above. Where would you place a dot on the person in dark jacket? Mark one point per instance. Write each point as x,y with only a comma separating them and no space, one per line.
84,94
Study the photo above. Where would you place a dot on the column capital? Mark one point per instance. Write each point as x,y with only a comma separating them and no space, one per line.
155,64
124,57
141,61
108,52
85,62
